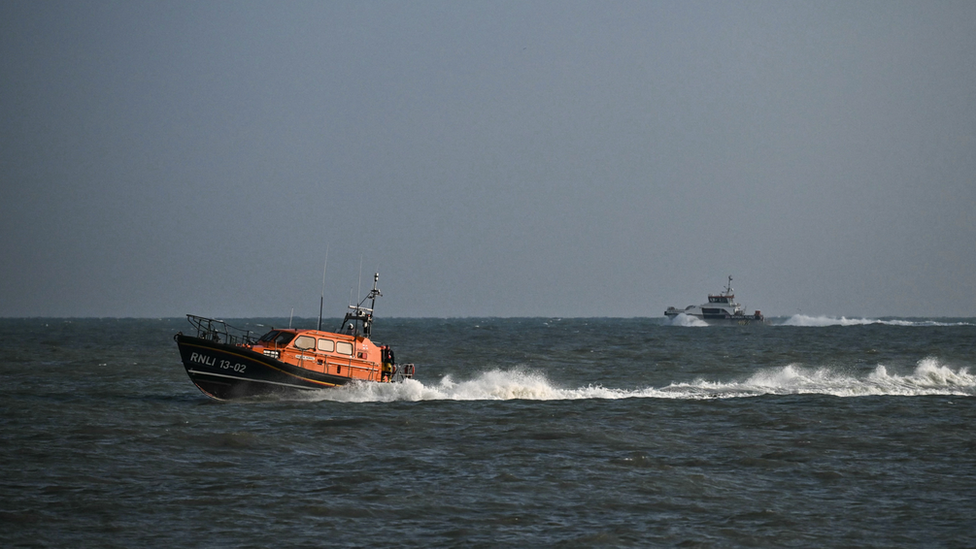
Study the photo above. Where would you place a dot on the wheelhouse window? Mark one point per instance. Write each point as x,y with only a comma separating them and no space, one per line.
326,345
277,337
344,347
305,342
284,338
269,336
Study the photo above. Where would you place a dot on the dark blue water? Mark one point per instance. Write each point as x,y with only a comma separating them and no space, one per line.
515,432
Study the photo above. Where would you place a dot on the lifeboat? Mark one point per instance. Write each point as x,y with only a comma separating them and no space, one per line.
227,363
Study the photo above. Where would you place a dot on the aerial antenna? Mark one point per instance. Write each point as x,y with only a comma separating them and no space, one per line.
359,289
374,292
361,315
367,318
290,317
322,297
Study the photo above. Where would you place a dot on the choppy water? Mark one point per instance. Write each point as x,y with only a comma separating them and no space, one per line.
515,432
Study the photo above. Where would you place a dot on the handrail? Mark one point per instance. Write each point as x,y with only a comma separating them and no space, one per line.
402,372
219,331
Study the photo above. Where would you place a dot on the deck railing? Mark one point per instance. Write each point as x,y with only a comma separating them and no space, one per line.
219,331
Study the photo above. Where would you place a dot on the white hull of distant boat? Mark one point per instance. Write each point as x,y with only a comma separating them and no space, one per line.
721,309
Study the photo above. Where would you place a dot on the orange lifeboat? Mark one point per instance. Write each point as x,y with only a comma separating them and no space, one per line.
227,363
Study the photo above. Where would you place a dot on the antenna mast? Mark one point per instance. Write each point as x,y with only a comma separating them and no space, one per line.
361,314
374,293
322,297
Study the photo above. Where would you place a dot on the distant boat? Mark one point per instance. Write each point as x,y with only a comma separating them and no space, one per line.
227,363
720,309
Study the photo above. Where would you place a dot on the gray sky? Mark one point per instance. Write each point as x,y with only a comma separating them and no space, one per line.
487,158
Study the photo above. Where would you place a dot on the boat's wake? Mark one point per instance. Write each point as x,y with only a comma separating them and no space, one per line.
929,378
821,321
688,321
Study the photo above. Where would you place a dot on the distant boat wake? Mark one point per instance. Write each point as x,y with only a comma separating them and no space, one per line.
688,321
820,321
929,378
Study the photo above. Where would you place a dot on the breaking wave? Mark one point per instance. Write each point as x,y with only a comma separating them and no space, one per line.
820,321
928,378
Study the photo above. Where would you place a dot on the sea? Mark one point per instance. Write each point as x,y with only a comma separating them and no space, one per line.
515,432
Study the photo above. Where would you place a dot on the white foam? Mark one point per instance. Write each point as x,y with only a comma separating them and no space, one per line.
688,321
821,321
929,377
514,384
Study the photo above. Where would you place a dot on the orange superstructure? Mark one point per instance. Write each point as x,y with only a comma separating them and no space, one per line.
324,352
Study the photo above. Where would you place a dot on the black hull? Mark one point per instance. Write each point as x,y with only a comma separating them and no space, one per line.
226,372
